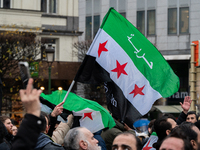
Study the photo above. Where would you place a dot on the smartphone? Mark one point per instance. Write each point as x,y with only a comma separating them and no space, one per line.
24,72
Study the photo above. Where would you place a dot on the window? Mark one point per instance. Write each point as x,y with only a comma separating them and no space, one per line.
119,6
5,4
146,17
184,20
52,6
44,5
141,21
88,28
178,17
92,18
151,21
172,21
49,6
96,24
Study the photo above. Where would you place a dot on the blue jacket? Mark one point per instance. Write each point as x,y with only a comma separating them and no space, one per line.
101,143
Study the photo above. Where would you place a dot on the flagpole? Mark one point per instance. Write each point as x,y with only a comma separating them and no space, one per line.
72,84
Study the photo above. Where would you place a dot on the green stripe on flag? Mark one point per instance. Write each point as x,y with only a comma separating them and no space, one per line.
142,52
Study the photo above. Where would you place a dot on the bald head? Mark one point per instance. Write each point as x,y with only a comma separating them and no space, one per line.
80,138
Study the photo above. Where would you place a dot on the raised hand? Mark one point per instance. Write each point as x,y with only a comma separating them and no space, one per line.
57,110
186,104
30,99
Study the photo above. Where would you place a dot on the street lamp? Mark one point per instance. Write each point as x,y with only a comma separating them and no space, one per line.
50,58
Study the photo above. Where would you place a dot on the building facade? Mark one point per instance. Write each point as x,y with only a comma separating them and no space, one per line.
170,25
54,22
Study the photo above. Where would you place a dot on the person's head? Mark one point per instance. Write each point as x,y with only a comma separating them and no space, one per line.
197,124
151,126
176,140
14,130
7,123
191,117
126,140
46,119
163,126
80,138
191,131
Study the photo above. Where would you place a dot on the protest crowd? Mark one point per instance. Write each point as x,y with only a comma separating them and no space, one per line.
39,131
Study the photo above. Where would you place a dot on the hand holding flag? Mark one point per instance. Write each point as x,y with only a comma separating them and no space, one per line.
57,110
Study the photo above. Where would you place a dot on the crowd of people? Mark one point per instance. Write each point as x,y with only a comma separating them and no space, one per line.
41,131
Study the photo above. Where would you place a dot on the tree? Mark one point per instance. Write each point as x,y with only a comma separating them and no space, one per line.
90,91
16,46
81,49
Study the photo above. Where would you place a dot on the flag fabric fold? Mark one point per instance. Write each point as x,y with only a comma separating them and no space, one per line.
134,72
93,116
149,144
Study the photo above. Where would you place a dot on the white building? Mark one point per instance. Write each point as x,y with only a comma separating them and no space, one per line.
56,21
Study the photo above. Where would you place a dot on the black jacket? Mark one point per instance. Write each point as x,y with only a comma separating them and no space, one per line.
28,133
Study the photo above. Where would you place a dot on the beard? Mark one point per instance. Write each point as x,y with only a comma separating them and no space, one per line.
93,147
9,131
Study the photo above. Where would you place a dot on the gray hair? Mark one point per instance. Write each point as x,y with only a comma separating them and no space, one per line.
73,137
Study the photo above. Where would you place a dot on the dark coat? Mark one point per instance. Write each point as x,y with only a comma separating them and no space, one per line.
101,143
4,146
9,138
46,143
28,133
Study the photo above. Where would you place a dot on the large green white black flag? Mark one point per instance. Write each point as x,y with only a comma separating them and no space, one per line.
133,70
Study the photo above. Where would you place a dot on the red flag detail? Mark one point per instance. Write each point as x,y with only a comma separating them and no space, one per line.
147,146
137,91
102,48
120,69
89,115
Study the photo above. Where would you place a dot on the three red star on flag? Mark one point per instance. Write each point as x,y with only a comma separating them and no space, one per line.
89,115
120,70
137,91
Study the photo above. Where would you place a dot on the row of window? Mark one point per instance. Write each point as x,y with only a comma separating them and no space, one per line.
178,17
93,15
47,6
177,24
